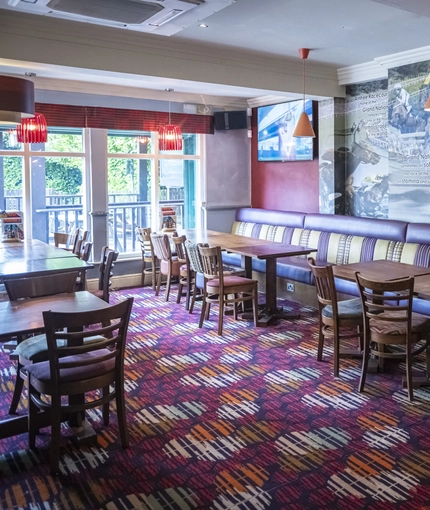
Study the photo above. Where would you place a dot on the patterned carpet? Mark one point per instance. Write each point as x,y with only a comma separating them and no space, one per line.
248,421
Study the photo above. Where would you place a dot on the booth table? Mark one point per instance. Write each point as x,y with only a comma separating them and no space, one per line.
249,247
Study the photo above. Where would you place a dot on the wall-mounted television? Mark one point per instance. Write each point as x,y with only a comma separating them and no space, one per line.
276,124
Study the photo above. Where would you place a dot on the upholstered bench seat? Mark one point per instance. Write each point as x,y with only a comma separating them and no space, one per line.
336,239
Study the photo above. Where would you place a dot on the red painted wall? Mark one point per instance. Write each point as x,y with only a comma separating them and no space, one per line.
292,186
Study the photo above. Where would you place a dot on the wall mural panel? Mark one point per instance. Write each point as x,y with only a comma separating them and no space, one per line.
409,142
354,152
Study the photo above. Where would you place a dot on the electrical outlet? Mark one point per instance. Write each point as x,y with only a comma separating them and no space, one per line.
290,287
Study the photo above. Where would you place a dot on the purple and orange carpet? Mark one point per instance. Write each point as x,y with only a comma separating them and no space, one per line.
246,421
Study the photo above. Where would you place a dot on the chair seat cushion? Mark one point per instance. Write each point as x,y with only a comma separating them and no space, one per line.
419,323
231,281
42,371
176,267
35,348
348,309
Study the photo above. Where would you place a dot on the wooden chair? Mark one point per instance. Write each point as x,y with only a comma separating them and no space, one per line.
149,260
76,368
70,242
186,276
84,254
389,321
219,288
65,241
169,266
35,348
336,318
85,251
196,266
107,259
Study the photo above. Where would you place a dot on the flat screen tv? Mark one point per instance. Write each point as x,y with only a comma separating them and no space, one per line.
276,124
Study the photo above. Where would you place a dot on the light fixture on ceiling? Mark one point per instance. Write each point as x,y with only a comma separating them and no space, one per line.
16,100
304,127
33,130
427,106
203,25
170,136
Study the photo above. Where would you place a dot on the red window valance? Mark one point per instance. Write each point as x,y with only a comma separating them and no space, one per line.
60,115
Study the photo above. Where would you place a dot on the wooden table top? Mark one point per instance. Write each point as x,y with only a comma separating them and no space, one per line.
247,246
379,270
30,250
40,267
25,316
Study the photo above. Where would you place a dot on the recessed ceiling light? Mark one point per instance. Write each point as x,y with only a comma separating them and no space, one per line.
203,25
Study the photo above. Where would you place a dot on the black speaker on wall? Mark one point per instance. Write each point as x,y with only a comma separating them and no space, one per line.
231,120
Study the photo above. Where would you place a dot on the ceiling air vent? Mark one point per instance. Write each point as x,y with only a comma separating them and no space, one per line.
163,17
120,11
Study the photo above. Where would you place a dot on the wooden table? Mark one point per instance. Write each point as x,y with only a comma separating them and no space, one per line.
35,258
25,316
248,248
379,270
31,249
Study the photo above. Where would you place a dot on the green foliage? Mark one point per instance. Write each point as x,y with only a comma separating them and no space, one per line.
63,175
12,172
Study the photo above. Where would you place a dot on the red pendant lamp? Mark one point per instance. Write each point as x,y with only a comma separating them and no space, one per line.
33,130
170,136
304,127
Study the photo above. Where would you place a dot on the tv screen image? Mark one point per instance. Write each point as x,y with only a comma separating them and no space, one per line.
276,124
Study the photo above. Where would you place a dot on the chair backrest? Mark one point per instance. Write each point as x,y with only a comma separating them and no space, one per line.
161,245
324,285
110,323
211,261
39,286
85,251
194,256
80,238
107,260
387,301
179,242
63,240
144,235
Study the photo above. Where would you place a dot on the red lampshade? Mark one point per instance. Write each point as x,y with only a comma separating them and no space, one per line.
33,130
170,138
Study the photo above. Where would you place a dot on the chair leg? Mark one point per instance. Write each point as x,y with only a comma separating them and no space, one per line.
19,384
193,299
122,418
255,305
188,295
203,311
55,437
105,407
180,287
169,281
365,362
336,349
33,427
154,274
157,291
409,372
235,306
221,313
320,339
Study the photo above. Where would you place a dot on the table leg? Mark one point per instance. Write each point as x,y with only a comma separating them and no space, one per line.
272,311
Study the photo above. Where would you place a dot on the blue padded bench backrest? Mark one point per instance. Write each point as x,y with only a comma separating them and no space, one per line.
392,230
418,233
269,217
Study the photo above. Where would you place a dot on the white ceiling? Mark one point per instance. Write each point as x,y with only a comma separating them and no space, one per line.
340,33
